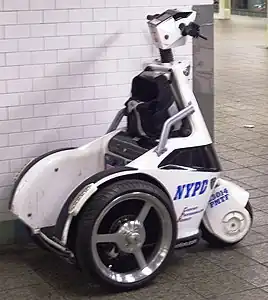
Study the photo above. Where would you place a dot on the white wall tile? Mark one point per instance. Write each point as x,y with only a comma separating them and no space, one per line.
32,98
42,30
16,5
56,43
9,73
31,71
4,168
8,153
9,100
93,28
43,57
10,126
56,16
104,14
16,58
3,140
83,119
71,133
92,3
83,41
21,138
31,44
67,4
59,121
17,31
20,112
81,15
71,107
7,45
3,113
30,17
7,18
82,93
32,124
42,4
19,85
69,28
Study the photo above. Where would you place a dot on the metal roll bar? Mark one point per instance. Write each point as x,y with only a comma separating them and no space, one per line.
187,111
160,149
118,118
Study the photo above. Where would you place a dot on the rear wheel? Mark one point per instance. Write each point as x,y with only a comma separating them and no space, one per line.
234,224
126,234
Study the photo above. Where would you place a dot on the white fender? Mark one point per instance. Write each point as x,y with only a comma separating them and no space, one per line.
43,190
226,216
83,197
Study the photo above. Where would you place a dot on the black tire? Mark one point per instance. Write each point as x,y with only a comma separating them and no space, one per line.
89,216
215,242
19,178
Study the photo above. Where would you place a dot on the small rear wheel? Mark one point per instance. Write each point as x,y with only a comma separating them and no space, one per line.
126,233
235,223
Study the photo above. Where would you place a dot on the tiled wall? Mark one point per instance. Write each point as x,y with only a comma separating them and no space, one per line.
66,67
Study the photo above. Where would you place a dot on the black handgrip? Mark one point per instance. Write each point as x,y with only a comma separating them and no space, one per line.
203,37
192,30
151,17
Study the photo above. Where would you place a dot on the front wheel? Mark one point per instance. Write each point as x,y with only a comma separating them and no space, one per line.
216,242
126,233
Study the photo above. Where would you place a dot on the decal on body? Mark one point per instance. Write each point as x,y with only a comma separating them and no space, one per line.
190,190
186,243
219,197
188,212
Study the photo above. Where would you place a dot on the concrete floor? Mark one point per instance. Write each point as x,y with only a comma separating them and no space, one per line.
198,273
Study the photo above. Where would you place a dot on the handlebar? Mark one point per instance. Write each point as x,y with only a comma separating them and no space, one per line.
203,37
192,30
151,17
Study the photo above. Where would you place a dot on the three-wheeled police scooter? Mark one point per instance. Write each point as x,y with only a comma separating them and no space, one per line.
119,205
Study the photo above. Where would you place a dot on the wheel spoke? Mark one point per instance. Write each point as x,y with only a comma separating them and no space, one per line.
144,212
108,238
140,259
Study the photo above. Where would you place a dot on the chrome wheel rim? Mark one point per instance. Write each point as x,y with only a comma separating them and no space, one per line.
142,247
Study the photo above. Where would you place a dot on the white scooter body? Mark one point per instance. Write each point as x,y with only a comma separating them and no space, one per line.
42,193
51,193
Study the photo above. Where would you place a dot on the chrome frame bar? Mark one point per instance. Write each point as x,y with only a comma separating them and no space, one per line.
187,111
117,120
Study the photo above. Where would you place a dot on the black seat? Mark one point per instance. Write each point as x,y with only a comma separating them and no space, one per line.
150,105
128,147
122,149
